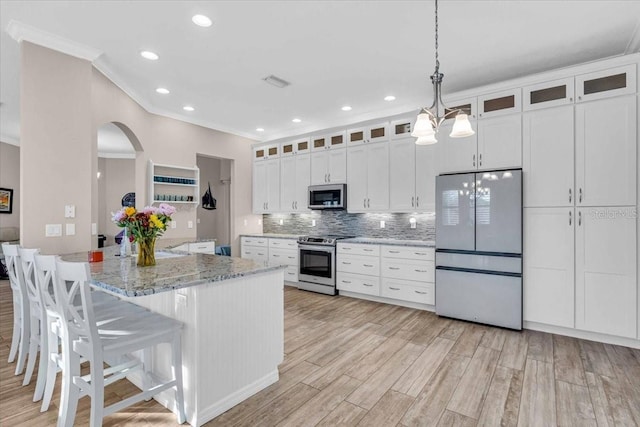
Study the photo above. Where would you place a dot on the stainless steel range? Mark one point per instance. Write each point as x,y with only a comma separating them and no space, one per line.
317,256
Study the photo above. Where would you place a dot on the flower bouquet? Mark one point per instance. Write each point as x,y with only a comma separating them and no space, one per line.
145,226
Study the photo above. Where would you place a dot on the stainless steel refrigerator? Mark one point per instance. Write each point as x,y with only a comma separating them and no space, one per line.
479,247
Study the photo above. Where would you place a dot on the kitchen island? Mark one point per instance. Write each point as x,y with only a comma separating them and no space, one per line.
232,310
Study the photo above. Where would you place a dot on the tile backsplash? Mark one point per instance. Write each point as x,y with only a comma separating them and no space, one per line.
397,225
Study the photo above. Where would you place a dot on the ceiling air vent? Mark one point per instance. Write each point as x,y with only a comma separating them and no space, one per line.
276,81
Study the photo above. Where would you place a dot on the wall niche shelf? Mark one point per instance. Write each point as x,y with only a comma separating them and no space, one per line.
173,184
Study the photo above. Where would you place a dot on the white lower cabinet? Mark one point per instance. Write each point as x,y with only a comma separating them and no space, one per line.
604,258
400,273
273,251
203,247
549,286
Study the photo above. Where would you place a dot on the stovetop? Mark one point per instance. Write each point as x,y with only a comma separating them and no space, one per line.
322,240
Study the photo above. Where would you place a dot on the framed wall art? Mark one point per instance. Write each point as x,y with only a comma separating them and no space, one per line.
6,201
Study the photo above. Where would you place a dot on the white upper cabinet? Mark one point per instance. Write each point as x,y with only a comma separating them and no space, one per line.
606,83
368,177
266,186
499,103
500,142
329,166
294,183
266,152
458,154
298,146
368,134
427,158
548,159
548,94
402,174
402,128
606,165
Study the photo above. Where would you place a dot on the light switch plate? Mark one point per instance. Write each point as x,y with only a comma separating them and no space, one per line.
70,229
69,211
189,224
53,230
94,228
174,224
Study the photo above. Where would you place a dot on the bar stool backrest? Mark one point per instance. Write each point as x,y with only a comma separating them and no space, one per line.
45,266
14,269
30,279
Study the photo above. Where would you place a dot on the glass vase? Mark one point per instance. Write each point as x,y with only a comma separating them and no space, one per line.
146,252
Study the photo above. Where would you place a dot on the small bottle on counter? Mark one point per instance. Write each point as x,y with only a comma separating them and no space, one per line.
125,244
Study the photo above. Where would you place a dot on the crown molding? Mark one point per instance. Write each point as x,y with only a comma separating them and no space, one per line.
23,32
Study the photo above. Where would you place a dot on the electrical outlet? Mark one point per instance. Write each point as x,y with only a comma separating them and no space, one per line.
382,224
259,222
198,221
53,230
94,228
246,222
70,229
412,222
313,222
189,224
174,224
281,222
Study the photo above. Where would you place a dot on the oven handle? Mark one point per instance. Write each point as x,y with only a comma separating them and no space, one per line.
318,248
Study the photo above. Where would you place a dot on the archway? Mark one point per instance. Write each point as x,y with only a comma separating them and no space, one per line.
118,147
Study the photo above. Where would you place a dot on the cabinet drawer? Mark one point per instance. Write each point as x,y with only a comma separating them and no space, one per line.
418,253
283,257
203,247
356,249
421,271
283,244
255,241
256,254
358,264
291,273
356,283
406,291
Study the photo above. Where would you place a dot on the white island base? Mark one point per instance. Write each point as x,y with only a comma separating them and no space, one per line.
232,342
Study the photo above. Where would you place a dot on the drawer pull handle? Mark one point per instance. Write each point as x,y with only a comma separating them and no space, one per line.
368,250
394,268
420,253
421,271
275,256
260,253
346,281
367,265
291,274
346,248
421,293
291,257
366,284
346,263
394,289
394,252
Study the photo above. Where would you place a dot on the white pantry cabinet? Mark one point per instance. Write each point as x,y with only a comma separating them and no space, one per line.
368,177
549,285
606,276
294,183
606,144
548,159
266,186
500,142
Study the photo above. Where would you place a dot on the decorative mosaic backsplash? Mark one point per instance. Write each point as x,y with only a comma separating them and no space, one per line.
338,222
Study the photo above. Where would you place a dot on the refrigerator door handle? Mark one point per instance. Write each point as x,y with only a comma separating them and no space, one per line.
474,160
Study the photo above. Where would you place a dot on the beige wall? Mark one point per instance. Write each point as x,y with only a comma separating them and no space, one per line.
10,178
214,224
64,101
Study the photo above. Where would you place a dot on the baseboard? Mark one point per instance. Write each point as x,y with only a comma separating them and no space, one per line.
384,300
221,406
585,335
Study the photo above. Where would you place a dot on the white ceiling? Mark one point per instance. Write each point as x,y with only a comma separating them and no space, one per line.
334,53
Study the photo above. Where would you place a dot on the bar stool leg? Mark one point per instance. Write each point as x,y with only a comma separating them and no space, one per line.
176,356
34,343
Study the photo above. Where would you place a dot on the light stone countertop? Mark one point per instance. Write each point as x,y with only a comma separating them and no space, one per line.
173,270
274,235
390,242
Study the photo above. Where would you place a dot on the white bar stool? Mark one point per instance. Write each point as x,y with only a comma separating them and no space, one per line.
21,317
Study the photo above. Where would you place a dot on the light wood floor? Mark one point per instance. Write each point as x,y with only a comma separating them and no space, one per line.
352,362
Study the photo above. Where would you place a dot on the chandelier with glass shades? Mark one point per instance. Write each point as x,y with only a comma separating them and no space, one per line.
430,119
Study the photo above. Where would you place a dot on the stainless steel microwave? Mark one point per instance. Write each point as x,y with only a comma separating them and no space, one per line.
328,196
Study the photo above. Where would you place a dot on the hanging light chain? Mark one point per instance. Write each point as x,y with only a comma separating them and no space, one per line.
437,60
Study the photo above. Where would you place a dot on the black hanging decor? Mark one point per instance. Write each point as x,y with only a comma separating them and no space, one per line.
208,201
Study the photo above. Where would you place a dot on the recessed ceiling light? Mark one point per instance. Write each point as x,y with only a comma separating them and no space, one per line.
188,108
147,54
346,108
260,129
201,20
163,90
296,120
390,98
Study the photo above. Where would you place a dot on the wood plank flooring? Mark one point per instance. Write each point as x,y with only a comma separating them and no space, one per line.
351,362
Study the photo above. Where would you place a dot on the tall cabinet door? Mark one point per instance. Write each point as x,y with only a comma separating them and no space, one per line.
273,185
458,154
426,166
337,166
319,167
288,183
301,182
378,176
549,290
606,286
402,174
606,165
455,218
548,157
259,186
357,179
500,142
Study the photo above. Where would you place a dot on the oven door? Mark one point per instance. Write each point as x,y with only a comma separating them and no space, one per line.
317,264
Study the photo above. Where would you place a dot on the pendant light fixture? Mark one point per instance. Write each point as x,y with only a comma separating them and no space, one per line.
429,119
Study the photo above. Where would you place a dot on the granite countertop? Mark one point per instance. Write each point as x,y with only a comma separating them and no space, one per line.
391,242
274,235
173,270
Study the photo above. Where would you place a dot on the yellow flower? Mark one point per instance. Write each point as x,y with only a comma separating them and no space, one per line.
130,211
155,222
